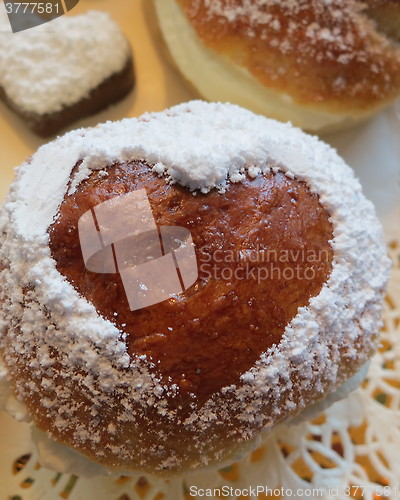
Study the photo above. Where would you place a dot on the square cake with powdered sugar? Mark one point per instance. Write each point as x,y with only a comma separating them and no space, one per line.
60,72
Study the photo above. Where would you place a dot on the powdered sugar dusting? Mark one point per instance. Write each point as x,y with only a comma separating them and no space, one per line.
337,23
202,146
55,65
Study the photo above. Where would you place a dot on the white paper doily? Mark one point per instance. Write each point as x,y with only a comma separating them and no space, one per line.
351,450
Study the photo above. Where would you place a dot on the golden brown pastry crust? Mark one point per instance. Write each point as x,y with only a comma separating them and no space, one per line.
211,334
329,56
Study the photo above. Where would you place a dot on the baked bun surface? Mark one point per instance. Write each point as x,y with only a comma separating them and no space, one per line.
321,65
286,305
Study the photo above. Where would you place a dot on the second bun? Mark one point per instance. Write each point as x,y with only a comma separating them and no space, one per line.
321,65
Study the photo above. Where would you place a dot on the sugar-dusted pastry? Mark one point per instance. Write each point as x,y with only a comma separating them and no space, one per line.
321,65
60,72
176,285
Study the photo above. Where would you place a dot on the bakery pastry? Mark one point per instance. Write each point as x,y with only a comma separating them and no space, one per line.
275,265
320,65
53,75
